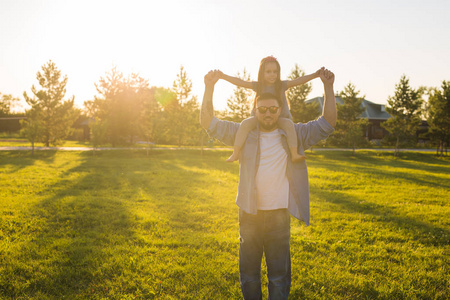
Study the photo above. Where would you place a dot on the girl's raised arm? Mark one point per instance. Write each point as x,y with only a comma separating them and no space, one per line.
236,81
303,79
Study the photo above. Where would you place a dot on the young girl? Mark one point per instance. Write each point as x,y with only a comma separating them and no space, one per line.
269,82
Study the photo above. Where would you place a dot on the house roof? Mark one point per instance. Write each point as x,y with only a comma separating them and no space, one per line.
372,111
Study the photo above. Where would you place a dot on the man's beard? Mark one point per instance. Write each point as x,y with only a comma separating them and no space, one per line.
268,127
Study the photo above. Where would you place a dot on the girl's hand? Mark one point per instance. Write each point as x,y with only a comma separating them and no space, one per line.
212,77
317,73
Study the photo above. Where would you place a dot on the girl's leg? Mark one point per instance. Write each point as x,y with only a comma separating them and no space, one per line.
288,126
241,135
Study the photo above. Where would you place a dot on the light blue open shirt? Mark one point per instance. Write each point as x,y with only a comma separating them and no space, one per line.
308,135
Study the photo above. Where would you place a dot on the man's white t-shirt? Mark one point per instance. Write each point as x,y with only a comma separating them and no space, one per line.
272,185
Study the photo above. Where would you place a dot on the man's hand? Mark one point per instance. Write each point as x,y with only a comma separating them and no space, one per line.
212,77
326,76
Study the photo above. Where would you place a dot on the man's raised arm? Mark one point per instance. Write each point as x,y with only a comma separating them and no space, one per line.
207,110
329,105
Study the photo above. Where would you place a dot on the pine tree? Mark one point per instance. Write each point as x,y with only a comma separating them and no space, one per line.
181,114
150,116
240,105
405,110
165,98
31,126
301,111
439,115
98,133
119,106
350,124
48,108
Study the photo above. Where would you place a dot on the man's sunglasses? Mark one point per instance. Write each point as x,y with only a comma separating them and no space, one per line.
272,109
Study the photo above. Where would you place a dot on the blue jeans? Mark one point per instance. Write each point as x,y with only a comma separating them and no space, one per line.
266,232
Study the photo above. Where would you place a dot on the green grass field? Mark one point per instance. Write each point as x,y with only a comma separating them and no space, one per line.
124,225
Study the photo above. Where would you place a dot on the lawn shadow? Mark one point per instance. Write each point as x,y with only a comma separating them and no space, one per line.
86,231
377,165
419,231
77,223
22,159
192,198
183,181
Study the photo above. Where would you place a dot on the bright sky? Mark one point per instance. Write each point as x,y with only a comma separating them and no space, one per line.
368,43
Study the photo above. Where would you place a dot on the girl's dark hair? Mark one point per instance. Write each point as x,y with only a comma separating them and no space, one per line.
262,67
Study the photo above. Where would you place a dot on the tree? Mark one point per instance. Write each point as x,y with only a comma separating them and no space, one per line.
350,124
239,105
150,115
164,97
120,106
31,126
439,115
301,111
48,109
181,113
6,104
100,109
405,110
98,136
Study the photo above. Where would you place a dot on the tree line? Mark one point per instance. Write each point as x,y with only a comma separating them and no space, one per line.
407,109
127,109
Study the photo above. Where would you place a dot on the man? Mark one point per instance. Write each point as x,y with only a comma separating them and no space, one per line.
271,187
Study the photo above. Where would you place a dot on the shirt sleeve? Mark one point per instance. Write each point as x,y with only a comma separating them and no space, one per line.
255,86
313,132
284,85
224,131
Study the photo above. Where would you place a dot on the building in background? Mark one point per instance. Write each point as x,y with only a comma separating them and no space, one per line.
375,113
